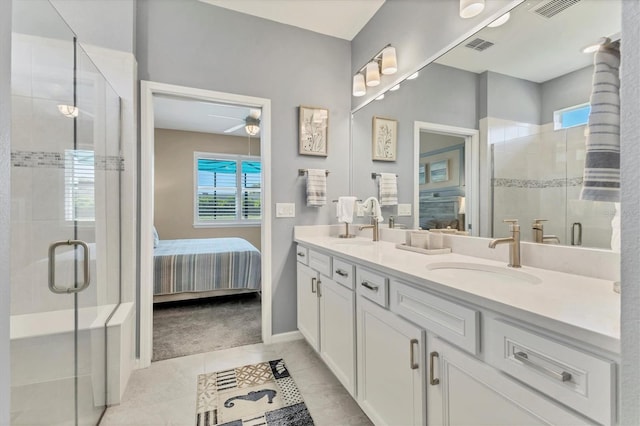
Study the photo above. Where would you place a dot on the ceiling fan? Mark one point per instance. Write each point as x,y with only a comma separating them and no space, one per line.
251,122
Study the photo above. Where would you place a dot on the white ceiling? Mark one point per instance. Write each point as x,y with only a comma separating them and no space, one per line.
197,116
539,49
338,18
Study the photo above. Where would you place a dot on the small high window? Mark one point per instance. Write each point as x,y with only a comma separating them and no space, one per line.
79,186
574,116
227,190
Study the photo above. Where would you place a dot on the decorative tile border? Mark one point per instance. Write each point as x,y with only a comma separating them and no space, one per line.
56,160
536,183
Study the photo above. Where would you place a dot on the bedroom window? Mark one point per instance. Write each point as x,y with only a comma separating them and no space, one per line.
79,185
228,190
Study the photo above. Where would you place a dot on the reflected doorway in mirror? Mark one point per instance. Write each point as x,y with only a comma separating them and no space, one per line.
384,139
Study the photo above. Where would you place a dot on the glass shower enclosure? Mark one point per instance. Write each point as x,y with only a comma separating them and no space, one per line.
65,222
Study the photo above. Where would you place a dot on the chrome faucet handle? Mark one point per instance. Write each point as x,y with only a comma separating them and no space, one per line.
514,224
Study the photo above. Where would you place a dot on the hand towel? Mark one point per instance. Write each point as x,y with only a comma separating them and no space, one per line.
388,186
345,208
602,163
372,206
316,187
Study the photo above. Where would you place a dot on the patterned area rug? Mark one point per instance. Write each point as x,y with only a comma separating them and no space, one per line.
252,395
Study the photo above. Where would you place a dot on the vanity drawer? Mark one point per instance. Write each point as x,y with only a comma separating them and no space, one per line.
372,285
320,262
343,273
302,254
578,379
450,321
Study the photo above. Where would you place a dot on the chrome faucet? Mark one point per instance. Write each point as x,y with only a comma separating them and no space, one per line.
514,243
374,226
538,232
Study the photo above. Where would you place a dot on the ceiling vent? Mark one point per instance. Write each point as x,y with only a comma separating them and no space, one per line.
549,9
479,44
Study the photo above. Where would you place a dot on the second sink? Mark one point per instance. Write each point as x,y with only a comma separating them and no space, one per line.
482,272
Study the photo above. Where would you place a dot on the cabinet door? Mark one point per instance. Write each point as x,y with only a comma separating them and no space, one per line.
390,366
470,392
337,331
308,323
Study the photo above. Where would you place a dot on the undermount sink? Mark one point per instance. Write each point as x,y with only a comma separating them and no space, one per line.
479,271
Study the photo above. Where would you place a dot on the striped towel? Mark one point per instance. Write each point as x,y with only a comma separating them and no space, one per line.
316,187
388,185
602,164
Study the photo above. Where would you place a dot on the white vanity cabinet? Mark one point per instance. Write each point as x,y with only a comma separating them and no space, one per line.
391,367
326,313
463,390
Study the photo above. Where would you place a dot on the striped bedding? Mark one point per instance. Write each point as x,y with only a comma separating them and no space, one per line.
205,264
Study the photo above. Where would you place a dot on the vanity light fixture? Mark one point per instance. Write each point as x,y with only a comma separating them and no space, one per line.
471,8
69,111
413,76
500,21
385,62
359,88
373,74
594,47
381,97
394,88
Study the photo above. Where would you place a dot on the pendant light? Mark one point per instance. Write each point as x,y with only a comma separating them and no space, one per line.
471,8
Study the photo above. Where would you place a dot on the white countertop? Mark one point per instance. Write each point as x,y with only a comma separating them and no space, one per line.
583,308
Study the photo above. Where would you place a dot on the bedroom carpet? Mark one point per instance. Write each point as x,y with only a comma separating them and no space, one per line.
192,327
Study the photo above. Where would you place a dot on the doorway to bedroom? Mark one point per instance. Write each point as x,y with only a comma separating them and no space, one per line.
207,199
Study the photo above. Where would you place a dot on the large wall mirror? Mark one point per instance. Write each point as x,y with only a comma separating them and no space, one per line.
524,87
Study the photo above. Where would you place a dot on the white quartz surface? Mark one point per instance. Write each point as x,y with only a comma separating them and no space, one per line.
580,307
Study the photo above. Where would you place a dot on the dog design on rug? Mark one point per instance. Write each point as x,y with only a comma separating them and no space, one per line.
252,396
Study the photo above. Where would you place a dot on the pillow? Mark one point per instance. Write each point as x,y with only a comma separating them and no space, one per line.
156,238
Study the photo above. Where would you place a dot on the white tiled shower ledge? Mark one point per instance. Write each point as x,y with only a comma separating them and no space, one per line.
582,307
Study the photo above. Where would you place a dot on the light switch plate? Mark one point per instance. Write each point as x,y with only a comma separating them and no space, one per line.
359,210
285,210
404,209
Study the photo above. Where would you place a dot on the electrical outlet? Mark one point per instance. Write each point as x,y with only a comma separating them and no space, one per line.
285,210
404,209
359,210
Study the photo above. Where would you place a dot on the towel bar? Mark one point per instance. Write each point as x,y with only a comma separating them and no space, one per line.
302,172
375,175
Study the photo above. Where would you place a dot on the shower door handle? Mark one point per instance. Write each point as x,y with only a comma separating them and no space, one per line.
52,267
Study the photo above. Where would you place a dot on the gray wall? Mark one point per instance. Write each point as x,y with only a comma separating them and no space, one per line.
630,153
212,48
568,90
511,98
419,29
5,205
422,99
116,20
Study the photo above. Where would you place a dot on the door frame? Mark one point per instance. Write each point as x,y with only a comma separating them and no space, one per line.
471,168
147,90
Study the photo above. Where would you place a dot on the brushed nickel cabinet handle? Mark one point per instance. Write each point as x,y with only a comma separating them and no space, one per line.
318,287
370,286
563,376
342,273
432,380
412,361
301,253
313,285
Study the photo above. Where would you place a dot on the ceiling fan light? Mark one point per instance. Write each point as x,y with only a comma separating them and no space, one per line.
252,129
359,88
373,74
471,8
69,111
389,61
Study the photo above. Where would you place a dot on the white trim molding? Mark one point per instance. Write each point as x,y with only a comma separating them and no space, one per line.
471,167
286,337
147,90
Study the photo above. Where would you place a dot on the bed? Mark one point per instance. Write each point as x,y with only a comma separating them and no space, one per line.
204,267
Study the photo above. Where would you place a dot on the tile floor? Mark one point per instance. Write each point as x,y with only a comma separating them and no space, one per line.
165,393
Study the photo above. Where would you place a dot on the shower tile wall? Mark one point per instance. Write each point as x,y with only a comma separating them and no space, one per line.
537,174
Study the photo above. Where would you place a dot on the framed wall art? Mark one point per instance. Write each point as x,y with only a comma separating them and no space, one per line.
384,139
314,129
439,171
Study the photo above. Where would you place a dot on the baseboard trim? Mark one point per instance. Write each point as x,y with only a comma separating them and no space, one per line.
286,337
